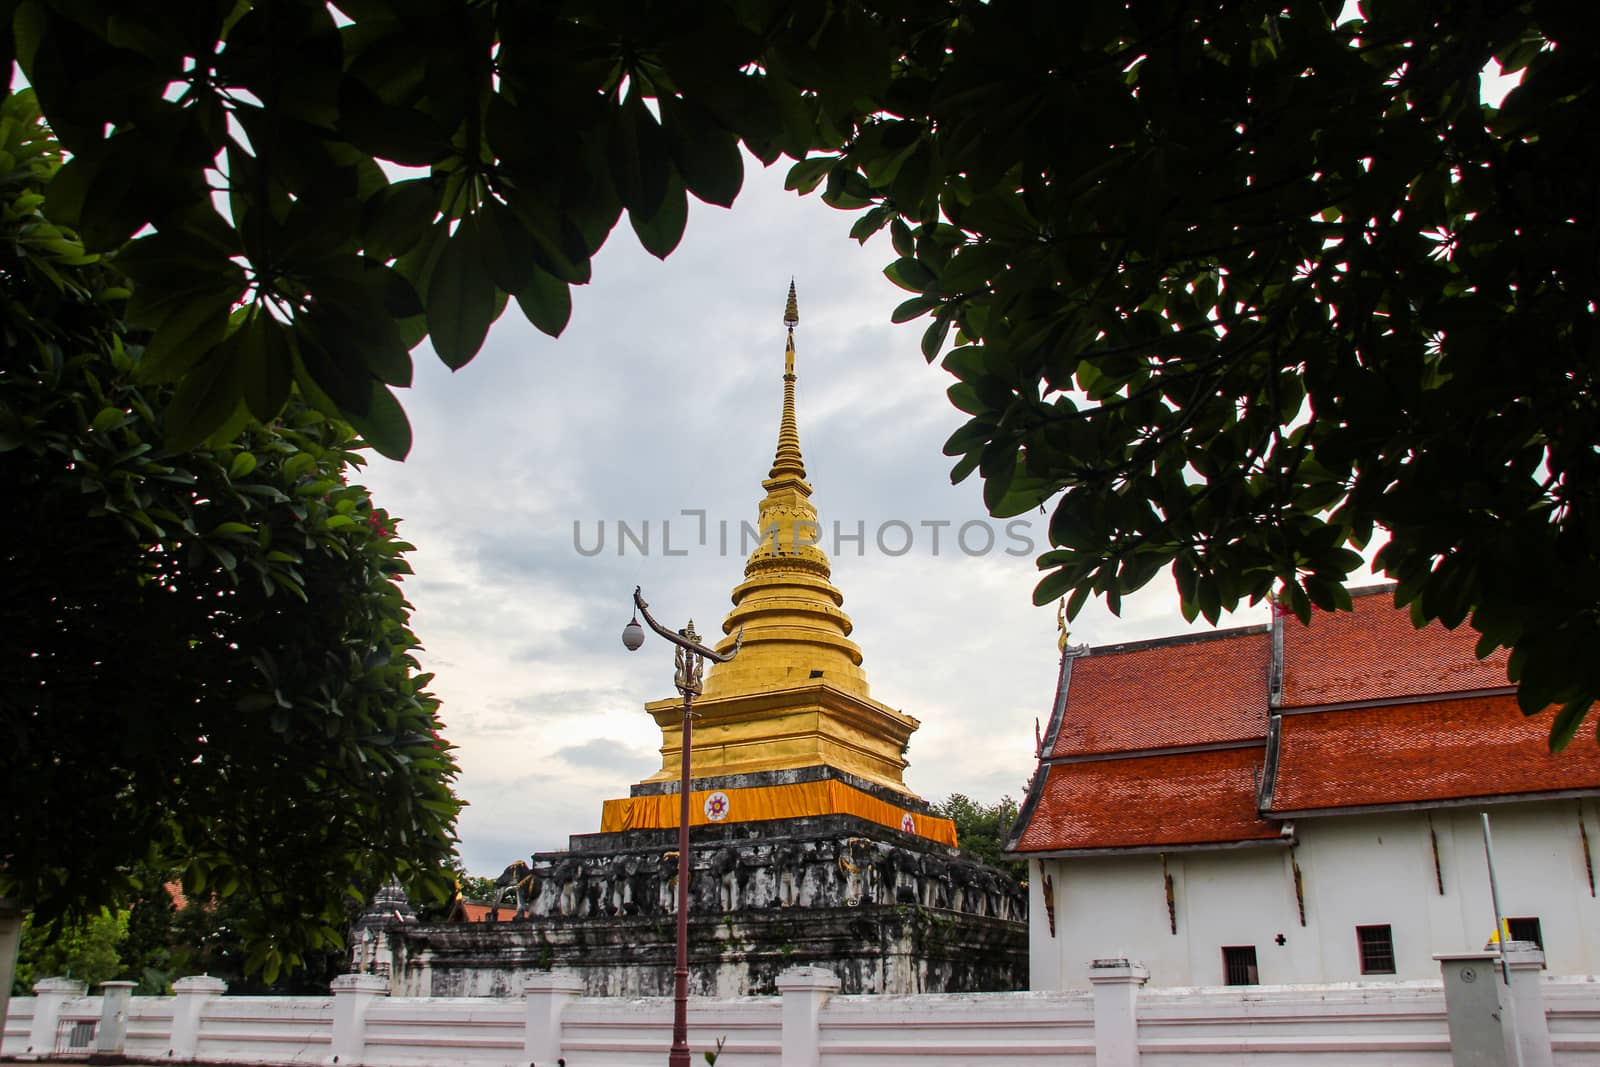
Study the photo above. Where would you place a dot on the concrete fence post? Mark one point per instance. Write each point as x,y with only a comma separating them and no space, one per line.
1475,1009
548,995
353,995
1116,985
112,1033
191,995
10,941
805,990
51,996
1526,963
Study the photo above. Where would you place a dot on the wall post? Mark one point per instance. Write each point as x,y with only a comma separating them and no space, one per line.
1475,1009
51,996
1116,985
1526,963
548,995
10,942
192,994
112,1033
805,990
353,995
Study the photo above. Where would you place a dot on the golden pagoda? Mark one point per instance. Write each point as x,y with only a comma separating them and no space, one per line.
789,721
805,846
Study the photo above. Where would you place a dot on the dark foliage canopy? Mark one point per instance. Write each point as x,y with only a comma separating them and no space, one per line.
1238,287
205,664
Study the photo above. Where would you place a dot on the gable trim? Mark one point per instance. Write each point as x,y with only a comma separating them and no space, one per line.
1414,698
1428,805
1140,753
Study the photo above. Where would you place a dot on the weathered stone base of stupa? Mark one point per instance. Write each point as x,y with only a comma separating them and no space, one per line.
886,911
872,948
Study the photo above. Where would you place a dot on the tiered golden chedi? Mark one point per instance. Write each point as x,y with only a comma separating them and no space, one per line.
792,708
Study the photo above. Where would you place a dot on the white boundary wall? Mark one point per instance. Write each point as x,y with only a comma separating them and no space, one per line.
1393,1024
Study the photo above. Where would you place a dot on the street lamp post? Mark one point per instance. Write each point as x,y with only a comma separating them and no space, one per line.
690,662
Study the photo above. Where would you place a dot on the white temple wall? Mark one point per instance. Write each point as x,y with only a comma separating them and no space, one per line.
1356,870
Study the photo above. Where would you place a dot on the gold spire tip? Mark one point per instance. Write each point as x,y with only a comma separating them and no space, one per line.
791,312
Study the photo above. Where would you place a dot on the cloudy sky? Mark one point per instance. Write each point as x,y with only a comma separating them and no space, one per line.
663,396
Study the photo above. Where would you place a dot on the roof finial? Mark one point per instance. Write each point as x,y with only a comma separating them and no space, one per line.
791,311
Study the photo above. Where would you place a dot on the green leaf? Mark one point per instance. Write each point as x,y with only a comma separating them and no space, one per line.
914,308
461,300
868,224
900,234
546,301
706,155
384,426
933,338
186,337
108,418
204,401
807,174
1052,587
242,464
1566,723
397,218
638,158
266,365
509,252
910,275
661,233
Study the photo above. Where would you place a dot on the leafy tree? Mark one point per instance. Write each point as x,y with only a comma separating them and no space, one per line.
480,887
982,829
204,655
87,950
146,951
1231,283
1236,286
210,936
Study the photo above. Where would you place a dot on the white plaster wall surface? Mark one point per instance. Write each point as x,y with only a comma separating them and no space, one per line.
426,1031
1371,870
1572,1009
1107,906
1398,1025
18,1024
978,1029
1044,954
1379,869
1241,897
266,1029
149,1026
627,1032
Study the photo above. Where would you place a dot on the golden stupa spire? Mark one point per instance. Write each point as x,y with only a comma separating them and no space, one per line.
787,461
795,629
795,697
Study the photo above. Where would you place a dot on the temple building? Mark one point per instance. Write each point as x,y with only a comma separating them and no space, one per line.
1299,804
807,846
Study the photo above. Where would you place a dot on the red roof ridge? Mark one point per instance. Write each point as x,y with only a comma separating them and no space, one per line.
1173,640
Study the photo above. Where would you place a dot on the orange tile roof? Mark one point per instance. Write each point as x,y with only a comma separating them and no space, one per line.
1189,798
1186,691
1430,751
1434,735
1374,653
474,912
